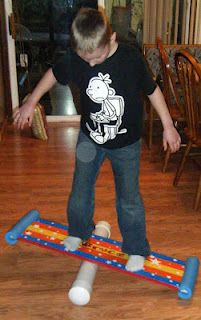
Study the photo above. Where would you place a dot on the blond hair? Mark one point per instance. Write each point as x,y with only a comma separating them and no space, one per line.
90,30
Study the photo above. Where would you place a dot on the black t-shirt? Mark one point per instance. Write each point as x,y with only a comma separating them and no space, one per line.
111,94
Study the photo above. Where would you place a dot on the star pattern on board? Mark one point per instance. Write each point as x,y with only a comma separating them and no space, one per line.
107,252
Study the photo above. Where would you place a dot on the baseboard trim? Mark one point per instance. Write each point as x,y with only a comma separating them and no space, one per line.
74,118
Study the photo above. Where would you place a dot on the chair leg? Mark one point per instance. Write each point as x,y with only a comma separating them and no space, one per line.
181,165
150,116
167,157
198,195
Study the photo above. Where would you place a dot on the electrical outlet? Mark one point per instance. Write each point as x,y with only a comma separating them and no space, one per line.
23,60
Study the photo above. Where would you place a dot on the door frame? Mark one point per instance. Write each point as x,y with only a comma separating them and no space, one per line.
5,62
10,52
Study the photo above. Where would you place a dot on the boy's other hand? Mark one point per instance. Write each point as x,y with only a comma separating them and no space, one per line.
172,139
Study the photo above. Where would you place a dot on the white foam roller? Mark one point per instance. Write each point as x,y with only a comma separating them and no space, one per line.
81,289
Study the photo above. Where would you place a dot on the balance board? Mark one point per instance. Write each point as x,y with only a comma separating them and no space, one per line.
171,272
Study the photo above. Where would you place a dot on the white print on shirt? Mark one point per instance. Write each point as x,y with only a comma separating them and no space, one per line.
108,120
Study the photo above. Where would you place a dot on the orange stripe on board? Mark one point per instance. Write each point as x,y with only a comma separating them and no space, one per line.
65,232
41,236
98,250
101,248
163,274
166,262
90,248
106,249
106,244
49,227
92,242
47,232
95,252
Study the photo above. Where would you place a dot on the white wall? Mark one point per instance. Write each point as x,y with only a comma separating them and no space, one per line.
11,57
101,3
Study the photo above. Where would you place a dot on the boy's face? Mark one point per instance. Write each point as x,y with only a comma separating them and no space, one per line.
98,55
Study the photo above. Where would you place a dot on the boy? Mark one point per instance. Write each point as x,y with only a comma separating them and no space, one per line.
111,78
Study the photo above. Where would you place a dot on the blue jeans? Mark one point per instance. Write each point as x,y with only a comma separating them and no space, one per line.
129,204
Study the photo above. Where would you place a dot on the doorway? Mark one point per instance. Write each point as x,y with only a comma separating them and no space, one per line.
42,36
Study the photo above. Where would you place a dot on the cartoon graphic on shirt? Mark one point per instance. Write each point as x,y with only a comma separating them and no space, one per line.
108,120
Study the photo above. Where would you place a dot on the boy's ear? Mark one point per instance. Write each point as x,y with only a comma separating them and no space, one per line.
113,38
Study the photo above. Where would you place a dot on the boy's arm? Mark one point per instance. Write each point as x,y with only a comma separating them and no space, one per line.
24,114
170,134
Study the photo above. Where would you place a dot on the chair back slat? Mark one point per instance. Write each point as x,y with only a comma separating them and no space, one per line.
189,74
171,86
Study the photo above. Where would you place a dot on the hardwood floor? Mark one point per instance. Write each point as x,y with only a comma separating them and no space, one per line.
34,282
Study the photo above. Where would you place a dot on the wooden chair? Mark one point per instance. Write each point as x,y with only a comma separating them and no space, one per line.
189,73
152,56
172,93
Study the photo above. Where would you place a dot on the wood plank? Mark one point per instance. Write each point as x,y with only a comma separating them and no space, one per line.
159,20
198,27
146,22
170,13
188,11
153,19
184,8
192,21
176,21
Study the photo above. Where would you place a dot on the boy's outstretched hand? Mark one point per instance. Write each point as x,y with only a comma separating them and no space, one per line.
23,116
171,138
